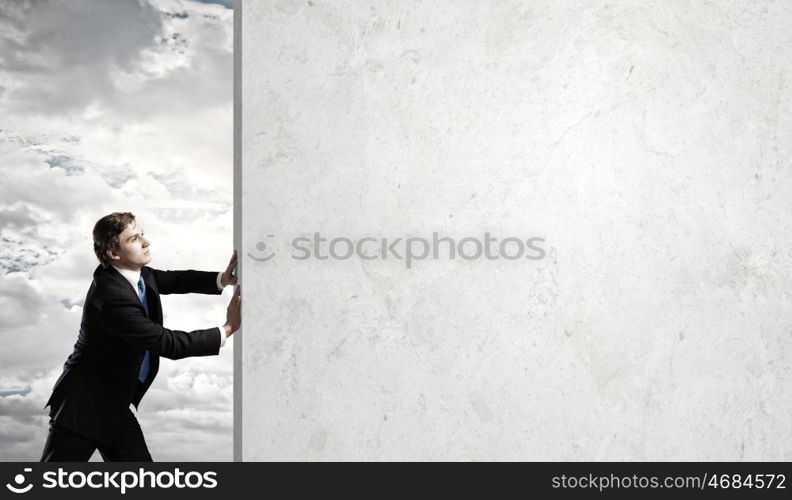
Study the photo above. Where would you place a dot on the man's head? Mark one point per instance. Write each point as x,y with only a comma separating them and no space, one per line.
119,241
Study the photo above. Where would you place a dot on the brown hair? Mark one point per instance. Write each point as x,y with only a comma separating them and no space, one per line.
106,231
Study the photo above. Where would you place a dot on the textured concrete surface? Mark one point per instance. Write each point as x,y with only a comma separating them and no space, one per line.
648,143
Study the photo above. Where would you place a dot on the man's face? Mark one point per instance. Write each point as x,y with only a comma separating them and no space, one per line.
132,252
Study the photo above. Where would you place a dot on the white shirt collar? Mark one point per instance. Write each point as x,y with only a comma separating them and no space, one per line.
131,276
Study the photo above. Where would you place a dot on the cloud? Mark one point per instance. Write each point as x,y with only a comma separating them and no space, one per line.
84,59
23,420
16,406
49,45
225,3
15,392
118,105
66,163
20,302
190,405
18,218
22,246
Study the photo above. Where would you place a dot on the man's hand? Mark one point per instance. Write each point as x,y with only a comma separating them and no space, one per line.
228,277
234,313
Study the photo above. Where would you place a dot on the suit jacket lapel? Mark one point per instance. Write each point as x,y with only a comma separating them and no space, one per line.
123,282
152,294
155,314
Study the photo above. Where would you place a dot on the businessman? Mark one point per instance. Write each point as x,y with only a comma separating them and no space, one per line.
121,339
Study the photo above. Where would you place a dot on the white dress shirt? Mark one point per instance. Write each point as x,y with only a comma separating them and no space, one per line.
134,276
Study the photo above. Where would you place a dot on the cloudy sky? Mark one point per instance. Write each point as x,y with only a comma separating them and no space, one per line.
105,106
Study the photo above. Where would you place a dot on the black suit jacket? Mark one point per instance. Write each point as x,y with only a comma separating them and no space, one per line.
100,377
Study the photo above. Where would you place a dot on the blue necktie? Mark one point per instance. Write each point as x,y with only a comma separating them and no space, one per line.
144,366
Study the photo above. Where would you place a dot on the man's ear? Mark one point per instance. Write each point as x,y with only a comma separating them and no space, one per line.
111,255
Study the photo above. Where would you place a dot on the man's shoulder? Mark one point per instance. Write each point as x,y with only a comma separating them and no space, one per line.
150,275
108,282
148,270
103,275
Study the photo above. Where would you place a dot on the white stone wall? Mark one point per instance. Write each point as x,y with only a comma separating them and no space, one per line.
647,143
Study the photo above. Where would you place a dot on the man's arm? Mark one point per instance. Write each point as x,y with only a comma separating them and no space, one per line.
123,318
189,281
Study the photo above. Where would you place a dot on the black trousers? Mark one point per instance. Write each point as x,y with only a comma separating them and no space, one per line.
128,445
